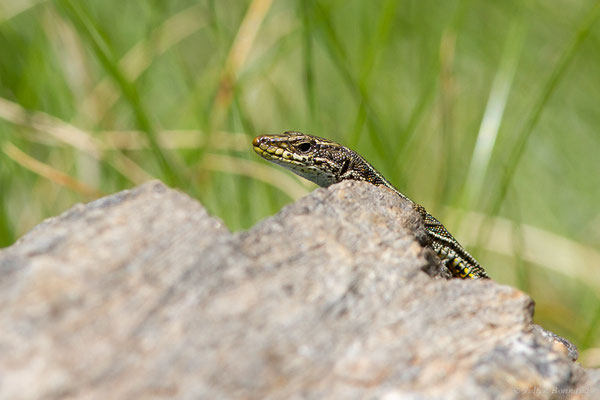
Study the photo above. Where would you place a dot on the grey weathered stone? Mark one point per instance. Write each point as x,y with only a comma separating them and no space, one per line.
143,295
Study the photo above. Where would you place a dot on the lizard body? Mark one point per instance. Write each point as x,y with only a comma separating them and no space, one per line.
325,162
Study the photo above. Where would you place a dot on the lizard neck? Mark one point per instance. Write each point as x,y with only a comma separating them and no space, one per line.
361,170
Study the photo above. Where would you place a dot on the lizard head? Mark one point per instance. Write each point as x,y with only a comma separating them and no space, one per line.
316,159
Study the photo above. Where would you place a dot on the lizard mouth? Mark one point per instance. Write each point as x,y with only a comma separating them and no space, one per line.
260,146
257,141
272,150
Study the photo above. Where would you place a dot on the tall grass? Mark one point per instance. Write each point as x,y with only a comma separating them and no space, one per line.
485,112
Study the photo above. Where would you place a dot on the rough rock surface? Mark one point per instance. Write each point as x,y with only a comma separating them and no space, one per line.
143,295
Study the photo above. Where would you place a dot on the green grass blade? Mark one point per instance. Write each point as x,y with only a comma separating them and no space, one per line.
493,114
89,29
548,89
340,59
307,52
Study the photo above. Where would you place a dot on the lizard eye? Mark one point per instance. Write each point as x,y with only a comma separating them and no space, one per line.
304,147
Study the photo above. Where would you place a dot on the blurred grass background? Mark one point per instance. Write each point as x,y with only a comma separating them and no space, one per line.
486,112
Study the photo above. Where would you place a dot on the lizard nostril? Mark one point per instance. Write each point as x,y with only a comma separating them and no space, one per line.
256,141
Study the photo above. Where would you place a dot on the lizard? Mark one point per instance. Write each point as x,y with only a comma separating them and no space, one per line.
325,162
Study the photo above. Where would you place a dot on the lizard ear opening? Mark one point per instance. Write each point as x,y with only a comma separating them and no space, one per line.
345,167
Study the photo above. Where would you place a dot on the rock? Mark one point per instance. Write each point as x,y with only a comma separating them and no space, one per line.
143,295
